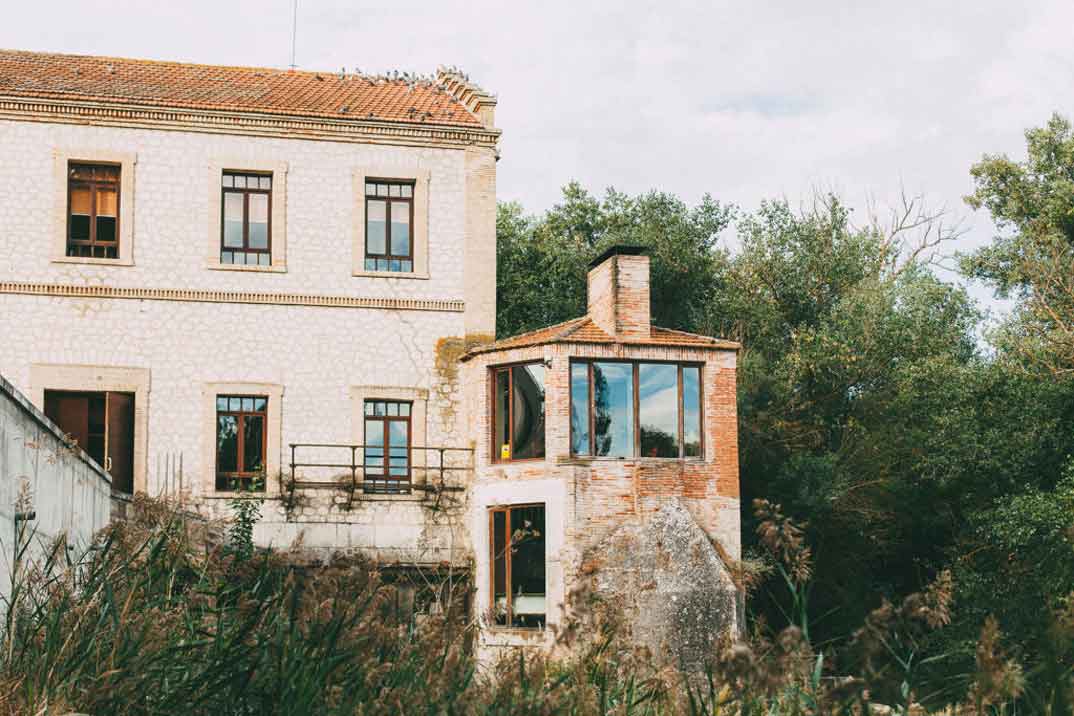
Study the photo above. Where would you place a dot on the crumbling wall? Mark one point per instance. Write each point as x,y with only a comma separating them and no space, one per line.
667,579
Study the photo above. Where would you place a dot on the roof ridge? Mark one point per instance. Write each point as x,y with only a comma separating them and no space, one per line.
430,79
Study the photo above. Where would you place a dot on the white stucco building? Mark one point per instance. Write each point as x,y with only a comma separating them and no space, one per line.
287,280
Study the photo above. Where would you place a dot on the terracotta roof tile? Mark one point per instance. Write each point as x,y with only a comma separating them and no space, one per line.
583,330
242,89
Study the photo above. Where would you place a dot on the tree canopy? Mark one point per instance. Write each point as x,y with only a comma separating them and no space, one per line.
869,409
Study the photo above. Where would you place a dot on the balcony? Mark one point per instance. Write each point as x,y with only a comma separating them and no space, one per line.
357,470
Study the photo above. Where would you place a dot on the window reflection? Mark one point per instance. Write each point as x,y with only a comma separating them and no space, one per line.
658,409
613,403
580,408
691,410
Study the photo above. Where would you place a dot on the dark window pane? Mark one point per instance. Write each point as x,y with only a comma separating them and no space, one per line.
376,227
527,437
501,445
106,228
658,409
613,402
80,226
527,566
235,404
400,229
253,445
691,410
580,408
499,567
227,443
221,403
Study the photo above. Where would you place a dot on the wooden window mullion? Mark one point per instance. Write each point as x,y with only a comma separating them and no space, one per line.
507,568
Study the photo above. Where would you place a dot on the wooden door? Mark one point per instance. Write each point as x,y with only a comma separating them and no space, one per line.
120,440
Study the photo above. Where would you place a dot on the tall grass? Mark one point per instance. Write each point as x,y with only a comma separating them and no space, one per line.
163,618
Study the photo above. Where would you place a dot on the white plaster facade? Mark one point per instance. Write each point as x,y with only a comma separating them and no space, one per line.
310,327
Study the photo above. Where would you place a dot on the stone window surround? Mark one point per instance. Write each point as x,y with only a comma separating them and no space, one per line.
279,212
273,439
419,399
119,379
420,233
61,158
552,494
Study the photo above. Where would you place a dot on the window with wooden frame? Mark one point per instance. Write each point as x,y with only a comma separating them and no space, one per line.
102,424
518,412
241,441
635,409
517,566
389,221
246,220
387,447
93,210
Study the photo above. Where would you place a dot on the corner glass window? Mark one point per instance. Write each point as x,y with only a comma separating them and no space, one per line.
518,412
603,404
389,220
517,560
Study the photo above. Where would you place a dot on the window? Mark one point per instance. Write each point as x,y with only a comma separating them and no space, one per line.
622,410
389,218
246,226
93,210
517,536
387,447
518,412
102,423
240,441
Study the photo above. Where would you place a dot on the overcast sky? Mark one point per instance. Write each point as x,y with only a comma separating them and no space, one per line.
741,100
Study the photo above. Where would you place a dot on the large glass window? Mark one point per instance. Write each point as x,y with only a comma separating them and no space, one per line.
241,441
387,447
246,228
517,544
93,210
667,404
518,412
389,219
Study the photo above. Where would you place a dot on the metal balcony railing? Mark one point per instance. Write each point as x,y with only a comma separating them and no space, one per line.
376,469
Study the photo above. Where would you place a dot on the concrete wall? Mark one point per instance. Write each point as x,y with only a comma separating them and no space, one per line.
194,326
67,490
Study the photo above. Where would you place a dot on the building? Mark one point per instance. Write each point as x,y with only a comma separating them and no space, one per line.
285,281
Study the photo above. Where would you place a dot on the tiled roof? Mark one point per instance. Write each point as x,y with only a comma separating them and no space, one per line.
583,330
236,89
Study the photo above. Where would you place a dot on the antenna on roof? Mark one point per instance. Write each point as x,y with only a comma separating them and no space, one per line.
294,31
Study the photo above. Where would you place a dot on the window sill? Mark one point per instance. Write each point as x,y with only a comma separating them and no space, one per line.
391,274
586,459
92,261
217,266
515,636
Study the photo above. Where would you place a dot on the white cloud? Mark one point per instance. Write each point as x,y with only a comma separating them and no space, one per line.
742,100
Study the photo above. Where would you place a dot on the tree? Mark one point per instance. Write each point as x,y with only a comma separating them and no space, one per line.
1032,203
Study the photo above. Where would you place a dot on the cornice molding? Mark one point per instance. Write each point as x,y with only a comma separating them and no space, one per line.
210,296
244,123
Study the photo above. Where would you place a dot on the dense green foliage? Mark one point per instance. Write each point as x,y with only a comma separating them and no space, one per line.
869,408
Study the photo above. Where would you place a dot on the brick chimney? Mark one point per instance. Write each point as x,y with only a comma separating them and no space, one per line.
619,292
